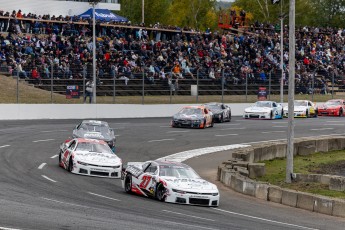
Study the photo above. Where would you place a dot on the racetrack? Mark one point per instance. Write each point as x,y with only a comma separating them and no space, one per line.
37,194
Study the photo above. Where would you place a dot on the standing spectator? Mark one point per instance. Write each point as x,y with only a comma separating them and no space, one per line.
36,76
89,91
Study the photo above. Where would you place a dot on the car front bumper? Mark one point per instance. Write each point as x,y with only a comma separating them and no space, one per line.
253,115
97,171
193,199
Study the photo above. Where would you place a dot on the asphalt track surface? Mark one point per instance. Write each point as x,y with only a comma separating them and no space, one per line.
37,194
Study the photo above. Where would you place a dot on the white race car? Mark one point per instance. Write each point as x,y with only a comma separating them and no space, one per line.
89,157
170,182
264,110
302,108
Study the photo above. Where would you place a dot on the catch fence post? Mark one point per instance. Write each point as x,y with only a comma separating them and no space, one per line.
114,87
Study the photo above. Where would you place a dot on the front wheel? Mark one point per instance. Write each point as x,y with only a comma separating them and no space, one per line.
341,113
160,192
70,165
128,184
271,115
60,158
307,113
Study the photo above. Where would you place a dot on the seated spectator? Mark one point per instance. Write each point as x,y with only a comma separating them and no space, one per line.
36,76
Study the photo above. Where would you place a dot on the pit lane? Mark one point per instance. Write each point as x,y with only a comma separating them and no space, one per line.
51,198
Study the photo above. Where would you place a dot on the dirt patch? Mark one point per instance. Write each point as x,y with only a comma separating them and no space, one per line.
336,168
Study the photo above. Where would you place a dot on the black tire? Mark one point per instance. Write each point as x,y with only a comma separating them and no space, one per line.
307,113
271,116
70,165
128,184
60,159
212,123
204,124
282,114
229,117
160,192
316,113
341,113
221,119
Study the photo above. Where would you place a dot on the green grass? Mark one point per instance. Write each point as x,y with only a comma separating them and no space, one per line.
31,95
275,172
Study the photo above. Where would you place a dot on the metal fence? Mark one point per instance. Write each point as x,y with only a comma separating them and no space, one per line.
114,86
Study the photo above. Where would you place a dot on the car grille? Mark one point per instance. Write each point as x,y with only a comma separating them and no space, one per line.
102,166
199,201
180,200
254,116
115,174
199,193
96,173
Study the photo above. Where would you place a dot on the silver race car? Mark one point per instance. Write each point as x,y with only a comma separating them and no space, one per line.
221,112
89,157
170,182
98,130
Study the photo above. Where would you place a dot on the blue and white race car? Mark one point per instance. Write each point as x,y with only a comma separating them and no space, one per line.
264,110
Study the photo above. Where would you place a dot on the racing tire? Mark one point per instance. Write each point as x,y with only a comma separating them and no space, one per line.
160,192
271,115
70,165
341,113
60,163
212,124
221,119
316,113
128,184
307,114
229,117
282,114
204,126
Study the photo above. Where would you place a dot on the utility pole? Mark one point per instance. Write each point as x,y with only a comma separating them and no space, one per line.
291,128
281,52
93,3
143,11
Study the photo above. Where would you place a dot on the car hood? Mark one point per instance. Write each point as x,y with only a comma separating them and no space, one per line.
189,184
257,109
97,158
330,107
296,108
216,111
188,117
96,135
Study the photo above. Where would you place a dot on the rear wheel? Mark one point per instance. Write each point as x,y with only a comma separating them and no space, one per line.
271,115
341,113
60,163
204,126
221,119
128,184
160,192
307,113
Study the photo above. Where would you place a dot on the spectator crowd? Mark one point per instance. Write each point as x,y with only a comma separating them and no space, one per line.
40,47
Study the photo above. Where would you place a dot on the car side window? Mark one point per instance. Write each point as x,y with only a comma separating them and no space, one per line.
274,105
72,145
144,167
309,104
151,169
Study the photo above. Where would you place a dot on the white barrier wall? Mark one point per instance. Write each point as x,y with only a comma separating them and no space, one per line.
82,111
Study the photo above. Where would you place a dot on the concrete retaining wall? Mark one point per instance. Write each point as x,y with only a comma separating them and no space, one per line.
95,111
229,175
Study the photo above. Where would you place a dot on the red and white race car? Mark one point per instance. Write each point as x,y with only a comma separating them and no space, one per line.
334,107
89,157
170,182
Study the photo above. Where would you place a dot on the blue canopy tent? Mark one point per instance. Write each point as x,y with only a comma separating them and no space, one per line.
103,15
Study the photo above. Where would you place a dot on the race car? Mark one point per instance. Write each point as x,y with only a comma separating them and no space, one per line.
193,117
302,108
170,182
221,112
334,107
98,130
264,110
89,157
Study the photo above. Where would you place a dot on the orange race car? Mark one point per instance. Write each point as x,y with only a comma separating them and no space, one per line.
193,117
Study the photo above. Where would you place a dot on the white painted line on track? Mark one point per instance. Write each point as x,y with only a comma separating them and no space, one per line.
41,165
48,178
55,156
61,202
189,225
274,132
334,121
334,124
43,140
109,198
52,131
225,135
234,128
182,131
182,156
279,126
161,140
4,146
231,124
263,219
178,213
321,129
3,228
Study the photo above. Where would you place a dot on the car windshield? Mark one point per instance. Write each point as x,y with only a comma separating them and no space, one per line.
94,147
101,128
262,104
213,107
301,103
177,171
332,103
191,111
